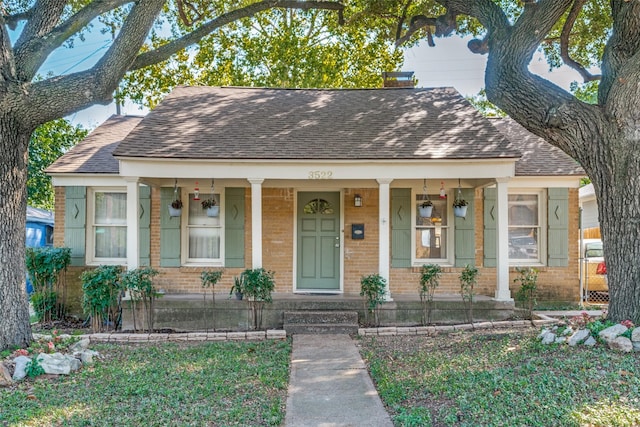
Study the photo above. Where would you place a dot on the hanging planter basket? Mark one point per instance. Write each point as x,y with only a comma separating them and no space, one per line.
213,211
459,204
425,211
175,207
460,211
174,212
426,208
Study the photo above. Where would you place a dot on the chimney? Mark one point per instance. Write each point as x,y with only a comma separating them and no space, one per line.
398,79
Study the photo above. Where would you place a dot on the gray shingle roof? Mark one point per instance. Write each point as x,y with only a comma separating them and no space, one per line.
94,153
539,158
256,123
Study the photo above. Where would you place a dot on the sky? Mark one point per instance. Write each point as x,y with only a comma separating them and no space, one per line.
449,63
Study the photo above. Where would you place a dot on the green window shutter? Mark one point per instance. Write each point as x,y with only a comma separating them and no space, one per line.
234,227
144,232
401,227
558,231
169,231
489,238
75,219
465,239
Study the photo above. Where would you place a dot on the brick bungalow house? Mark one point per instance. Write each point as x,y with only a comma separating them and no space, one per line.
322,187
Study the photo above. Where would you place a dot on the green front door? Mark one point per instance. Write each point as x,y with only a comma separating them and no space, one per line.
318,265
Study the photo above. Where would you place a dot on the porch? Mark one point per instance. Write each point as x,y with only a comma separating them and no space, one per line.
193,312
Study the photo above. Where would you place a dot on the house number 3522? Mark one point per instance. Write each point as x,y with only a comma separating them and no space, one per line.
320,174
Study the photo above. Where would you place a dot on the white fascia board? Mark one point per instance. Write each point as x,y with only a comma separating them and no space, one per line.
545,182
87,180
324,169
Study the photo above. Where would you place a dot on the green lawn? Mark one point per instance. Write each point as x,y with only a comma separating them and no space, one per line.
214,384
500,378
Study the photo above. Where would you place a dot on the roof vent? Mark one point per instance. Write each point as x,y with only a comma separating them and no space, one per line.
398,79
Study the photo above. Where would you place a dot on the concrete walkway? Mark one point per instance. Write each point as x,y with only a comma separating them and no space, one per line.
330,385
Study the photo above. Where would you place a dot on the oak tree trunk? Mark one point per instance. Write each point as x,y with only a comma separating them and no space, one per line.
15,329
617,186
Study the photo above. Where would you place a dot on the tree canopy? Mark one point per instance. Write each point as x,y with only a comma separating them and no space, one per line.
48,142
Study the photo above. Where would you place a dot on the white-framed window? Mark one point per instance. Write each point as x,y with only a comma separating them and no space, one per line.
107,226
432,234
202,241
526,220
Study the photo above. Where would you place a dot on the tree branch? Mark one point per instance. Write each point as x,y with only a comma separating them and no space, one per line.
45,16
564,42
488,13
401,20
164,52
57,97
536,21
35,50
12,20
623,45
7,63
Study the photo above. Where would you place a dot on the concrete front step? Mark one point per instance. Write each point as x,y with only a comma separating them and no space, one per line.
322,328
320,322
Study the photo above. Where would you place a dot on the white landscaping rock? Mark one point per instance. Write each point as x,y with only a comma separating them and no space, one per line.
635,335
5,376
636,345
21,367
579,336
80,346
58,363
548,338
544,332
590,342
612,332
621,343
87,356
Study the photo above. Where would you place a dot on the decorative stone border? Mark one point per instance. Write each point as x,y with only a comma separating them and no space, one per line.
116,337
433,330
280,334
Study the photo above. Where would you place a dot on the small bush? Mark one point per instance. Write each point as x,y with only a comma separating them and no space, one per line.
33,368
46,268
468,281
429,281
102,296
528,281
372,288
257,285
140,284
209,279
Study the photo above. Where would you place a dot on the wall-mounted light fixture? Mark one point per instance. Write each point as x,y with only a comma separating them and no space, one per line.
357,201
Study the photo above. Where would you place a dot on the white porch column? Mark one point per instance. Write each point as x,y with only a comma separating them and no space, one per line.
384,233
133,221
256,222
502,243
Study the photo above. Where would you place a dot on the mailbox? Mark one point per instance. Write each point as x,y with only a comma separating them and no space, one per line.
357,231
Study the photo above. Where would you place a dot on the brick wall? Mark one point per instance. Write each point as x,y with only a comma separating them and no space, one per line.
277,235
360,256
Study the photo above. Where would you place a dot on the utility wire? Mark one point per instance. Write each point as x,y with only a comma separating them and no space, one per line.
106,45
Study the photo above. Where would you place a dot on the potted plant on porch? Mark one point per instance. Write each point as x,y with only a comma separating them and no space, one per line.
211,206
